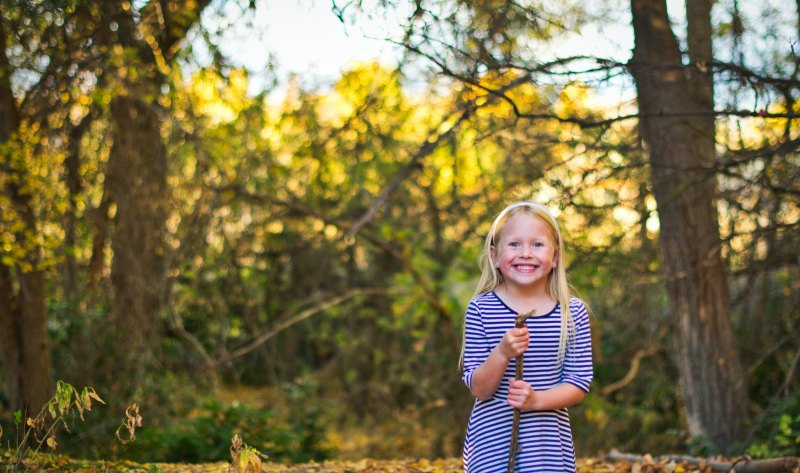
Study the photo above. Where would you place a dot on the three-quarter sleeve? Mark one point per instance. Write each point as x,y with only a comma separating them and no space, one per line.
476,346
578,358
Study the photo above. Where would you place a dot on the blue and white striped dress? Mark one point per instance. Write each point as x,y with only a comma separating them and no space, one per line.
545,437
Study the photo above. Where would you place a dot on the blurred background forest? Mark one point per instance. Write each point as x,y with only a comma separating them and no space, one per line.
292,262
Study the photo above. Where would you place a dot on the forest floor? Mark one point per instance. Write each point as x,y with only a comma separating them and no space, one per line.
54,463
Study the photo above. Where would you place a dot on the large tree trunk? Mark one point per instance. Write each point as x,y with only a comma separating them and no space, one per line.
137,174
677,125
137,185
24,342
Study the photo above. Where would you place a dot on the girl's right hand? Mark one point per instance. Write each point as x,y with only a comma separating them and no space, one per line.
514,342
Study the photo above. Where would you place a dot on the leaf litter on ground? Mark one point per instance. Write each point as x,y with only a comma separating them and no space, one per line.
57,463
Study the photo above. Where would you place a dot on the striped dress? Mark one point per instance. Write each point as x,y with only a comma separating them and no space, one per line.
545,437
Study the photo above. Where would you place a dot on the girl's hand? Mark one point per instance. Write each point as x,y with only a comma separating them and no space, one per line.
514,342
521,395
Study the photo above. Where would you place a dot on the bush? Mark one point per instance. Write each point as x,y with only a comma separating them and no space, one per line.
778,432
206,436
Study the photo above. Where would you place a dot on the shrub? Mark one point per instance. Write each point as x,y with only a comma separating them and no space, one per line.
205,436
778,432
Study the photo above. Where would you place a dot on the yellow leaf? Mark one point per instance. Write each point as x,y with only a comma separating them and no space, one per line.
30,422
93,395
87,403
51,442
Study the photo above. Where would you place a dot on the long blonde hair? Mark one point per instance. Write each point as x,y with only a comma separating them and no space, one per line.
557,286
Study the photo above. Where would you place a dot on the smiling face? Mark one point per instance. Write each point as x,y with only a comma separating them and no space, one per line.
524,252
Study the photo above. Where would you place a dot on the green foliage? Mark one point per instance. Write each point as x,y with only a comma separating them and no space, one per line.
631,425
263,193
40,431
33,196
205,435
778,433
785,442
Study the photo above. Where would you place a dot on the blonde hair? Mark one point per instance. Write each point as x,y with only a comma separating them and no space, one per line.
557,286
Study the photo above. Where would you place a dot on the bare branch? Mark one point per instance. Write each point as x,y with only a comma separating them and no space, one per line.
738,465
632,371
427,148
790,374
303,315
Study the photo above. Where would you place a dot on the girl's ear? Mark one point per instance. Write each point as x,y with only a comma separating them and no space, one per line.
493,256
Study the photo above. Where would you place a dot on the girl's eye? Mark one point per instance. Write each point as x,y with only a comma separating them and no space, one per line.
513,244
538,244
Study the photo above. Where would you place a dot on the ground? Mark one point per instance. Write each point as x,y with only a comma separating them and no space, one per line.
53,463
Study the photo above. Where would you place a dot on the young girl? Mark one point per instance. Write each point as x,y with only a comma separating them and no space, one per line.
523,270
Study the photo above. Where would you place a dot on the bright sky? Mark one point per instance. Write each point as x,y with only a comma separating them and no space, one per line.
305,38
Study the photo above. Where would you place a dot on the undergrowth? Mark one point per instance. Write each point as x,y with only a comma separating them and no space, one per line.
38,432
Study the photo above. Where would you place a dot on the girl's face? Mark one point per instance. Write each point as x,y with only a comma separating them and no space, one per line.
524,252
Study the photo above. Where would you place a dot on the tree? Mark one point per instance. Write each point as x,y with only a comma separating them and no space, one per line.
477,42
64,52
137,178
25,352
677,124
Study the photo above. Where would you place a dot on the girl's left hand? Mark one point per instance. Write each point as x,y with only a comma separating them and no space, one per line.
521,395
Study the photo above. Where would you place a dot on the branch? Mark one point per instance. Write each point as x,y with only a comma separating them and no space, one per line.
632,371
427,148
283,325
790,374
604,64
652,349
737,157
424,283
754,77
738,465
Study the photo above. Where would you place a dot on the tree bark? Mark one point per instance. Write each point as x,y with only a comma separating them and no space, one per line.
137,184
682,169
738,465
25,352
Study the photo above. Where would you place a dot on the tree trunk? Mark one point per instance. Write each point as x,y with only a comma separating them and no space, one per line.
676,124
25,351
137,185
137,171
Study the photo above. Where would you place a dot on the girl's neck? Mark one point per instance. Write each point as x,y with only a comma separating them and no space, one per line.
526,300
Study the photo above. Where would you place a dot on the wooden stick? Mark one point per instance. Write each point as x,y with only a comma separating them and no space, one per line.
514,447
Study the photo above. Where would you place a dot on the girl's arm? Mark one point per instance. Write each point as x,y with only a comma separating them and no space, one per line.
489,374
522,396
577,373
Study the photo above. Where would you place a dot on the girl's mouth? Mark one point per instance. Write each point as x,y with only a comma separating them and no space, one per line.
526,268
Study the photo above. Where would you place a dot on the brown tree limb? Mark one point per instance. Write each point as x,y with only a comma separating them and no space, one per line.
790,374
606,64
288,322
427,148
738,465
633,370
297,206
